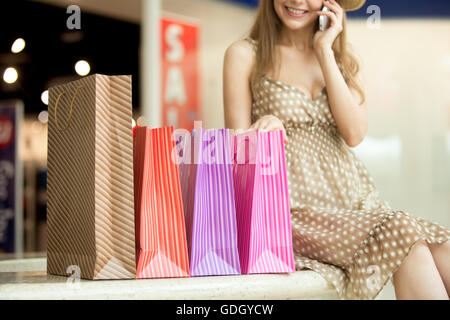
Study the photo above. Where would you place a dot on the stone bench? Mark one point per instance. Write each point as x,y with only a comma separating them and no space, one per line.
26,278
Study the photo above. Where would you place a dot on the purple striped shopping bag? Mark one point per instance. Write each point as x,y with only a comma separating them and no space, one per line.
208,199
262,203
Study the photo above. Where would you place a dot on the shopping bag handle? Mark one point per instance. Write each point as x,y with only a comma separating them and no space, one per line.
237,144
71,108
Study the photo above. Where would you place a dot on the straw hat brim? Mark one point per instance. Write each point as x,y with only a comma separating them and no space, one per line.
352,5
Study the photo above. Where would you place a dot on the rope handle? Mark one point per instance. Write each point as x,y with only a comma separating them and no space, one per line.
71,109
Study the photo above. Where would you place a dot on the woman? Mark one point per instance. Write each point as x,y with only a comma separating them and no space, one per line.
288,75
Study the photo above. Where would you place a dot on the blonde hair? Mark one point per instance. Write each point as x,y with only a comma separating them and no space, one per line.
266,29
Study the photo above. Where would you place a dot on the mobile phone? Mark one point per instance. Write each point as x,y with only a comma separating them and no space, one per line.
324,21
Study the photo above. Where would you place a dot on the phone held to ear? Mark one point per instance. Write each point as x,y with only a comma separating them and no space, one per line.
324,21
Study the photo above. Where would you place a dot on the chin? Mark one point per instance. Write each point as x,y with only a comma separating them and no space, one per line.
295,25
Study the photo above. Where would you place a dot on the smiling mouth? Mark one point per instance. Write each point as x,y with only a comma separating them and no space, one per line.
296,11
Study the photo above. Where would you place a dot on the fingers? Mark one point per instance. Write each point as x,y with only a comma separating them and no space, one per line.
333,6
239,131
330,14
273,126
269,123
255,125
276,128
285,137
260,125
263,123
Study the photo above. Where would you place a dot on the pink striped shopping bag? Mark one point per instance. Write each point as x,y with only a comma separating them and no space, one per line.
208,198
262,203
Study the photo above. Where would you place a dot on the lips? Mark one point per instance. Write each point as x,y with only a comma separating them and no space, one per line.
294,12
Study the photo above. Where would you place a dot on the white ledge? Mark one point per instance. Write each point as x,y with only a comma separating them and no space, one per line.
36,284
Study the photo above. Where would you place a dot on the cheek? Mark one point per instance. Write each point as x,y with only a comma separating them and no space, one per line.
278,6
315,4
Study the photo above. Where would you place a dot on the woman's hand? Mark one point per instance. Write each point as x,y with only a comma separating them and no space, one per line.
323,40
270,123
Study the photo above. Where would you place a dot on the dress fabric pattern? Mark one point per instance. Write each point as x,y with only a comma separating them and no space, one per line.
340,226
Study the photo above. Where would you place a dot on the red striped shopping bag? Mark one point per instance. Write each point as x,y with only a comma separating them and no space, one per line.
161,248
262,203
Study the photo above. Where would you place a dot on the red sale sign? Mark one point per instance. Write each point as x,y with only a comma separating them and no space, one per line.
180,73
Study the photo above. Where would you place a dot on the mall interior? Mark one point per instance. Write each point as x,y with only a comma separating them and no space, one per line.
403,51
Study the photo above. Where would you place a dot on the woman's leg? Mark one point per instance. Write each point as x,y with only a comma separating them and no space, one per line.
418,277
441,255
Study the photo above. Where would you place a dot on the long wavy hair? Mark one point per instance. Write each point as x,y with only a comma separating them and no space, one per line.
266,30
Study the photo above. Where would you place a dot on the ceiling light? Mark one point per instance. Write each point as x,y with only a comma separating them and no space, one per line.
18,45
43,116
82,67
10,75
44,97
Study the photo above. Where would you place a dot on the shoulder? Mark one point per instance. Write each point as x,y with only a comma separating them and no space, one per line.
239,59
241,50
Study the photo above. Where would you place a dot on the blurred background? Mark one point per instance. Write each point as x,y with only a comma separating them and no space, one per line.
404,55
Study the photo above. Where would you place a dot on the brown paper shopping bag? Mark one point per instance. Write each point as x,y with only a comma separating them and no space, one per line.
90,200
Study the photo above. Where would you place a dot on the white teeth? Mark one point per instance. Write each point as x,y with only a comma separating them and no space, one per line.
295,11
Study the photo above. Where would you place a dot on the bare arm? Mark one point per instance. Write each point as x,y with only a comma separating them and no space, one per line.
237,98
351,117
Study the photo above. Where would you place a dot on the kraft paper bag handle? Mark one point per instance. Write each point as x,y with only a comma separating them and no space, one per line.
71,108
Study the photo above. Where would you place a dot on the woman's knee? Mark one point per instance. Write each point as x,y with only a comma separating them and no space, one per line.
420,251
419,257
444,246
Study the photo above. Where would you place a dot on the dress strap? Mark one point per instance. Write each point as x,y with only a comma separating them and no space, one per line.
253,42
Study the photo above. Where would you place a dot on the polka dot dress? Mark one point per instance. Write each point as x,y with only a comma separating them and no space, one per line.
340,226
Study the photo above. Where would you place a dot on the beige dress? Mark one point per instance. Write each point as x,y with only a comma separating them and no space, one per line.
340,226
